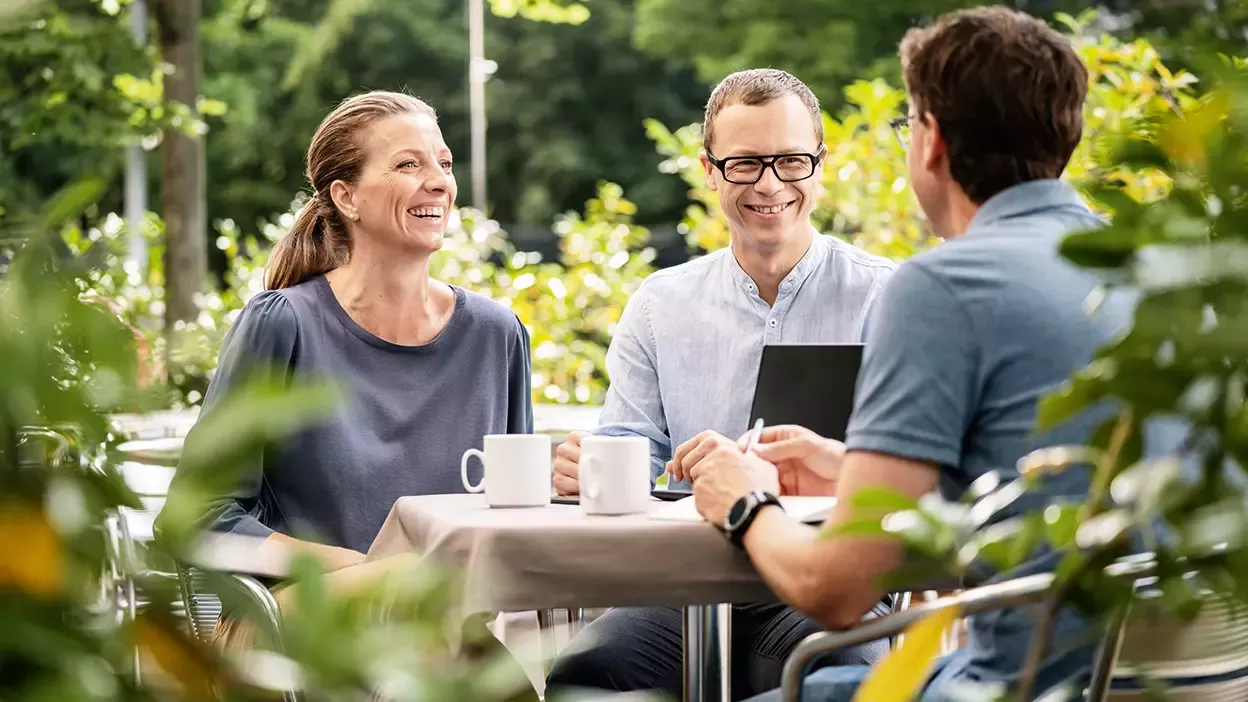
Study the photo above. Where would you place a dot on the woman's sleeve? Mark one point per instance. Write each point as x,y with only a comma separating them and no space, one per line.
520,385
259,346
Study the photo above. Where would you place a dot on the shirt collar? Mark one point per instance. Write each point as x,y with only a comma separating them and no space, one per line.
1026,198
810,261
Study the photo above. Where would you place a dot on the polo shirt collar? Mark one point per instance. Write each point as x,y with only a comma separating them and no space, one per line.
1024,199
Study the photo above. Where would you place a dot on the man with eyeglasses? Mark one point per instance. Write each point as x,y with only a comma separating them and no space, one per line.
684,360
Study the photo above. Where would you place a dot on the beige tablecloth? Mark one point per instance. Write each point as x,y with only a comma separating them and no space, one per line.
556,557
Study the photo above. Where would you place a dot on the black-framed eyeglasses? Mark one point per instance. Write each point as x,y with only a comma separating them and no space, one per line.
901,129
747,170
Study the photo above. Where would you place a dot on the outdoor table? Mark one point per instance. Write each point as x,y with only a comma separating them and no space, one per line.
521,559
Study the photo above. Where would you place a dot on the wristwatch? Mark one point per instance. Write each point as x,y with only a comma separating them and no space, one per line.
742,514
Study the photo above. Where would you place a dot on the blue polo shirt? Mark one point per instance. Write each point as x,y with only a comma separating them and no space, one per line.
967,338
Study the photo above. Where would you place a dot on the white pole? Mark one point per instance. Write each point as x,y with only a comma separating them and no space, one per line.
136,164
477,71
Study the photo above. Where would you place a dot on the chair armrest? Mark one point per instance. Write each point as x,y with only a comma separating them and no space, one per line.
208,593
252,591
1011,593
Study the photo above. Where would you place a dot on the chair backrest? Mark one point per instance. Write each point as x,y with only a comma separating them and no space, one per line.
1202,660
203,609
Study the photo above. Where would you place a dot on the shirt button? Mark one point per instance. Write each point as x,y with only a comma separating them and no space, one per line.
771,323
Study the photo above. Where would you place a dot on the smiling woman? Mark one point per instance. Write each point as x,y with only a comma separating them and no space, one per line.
375,149
350,298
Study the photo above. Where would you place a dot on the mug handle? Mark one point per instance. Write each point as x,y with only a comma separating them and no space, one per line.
592,486
463,470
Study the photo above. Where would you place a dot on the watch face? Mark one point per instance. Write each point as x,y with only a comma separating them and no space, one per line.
739,509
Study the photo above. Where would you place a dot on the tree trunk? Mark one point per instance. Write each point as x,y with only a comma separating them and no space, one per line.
186,238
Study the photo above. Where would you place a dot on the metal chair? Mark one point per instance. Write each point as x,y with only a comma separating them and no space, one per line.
1128,648
203,590
118,598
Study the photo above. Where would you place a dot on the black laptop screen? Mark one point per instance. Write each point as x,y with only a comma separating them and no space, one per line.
808,384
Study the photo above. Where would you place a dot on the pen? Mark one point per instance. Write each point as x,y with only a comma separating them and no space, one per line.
758,432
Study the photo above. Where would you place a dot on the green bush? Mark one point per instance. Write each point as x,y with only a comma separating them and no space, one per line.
571,305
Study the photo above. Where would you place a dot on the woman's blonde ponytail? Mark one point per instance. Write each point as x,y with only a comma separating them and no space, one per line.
307,249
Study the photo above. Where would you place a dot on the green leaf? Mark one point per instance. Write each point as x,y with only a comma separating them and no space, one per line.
14,11
1086,388
1180,598
1212,528
1107,247
72,200
1061,521
1123,208
1006,544
1139,154
882,498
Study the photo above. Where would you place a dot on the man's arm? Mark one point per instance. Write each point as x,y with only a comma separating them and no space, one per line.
835,580
634,406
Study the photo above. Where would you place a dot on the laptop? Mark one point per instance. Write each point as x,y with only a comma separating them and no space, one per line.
811,385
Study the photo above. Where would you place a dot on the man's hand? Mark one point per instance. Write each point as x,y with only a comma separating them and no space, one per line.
808,464
724,476
694,450
567,462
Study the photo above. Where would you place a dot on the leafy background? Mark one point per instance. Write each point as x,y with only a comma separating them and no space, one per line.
614,92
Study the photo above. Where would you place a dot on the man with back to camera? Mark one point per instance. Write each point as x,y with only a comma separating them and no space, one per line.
968,337
684,359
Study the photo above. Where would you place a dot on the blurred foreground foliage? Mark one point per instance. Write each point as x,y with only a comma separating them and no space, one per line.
68,567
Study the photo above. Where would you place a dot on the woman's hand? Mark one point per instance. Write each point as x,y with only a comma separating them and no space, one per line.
332,558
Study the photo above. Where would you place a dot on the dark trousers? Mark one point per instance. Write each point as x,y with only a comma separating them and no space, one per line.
640,649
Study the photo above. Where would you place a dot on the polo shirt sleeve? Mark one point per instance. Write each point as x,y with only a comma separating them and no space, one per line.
918,387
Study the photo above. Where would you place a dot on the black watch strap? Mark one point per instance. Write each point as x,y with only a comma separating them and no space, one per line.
743,513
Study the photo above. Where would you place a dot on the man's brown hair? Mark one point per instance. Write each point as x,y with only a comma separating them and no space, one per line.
758,86
1007,91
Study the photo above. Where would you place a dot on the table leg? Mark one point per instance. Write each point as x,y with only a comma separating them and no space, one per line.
708,651
550,646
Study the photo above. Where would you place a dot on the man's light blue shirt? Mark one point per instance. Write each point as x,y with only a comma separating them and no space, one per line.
685,355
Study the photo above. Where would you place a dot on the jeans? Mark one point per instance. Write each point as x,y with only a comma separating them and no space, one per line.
631,649
839,684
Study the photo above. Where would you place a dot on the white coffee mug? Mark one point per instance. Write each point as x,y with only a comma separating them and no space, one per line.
517,470
614,474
